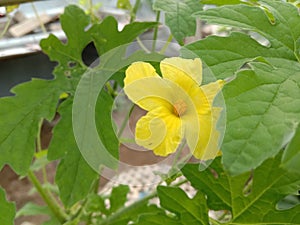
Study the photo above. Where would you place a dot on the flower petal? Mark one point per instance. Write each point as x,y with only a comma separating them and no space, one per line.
145,88
178,69
159,131
204,143
211,90
139,70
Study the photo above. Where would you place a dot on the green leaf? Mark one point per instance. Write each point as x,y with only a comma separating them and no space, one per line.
226,55
157,219
20,118
74,178
7,210
252,98
256,19
63,139
104,123
178,16
95,203
106,35
291,155
118,197
68,55
251,197
189,211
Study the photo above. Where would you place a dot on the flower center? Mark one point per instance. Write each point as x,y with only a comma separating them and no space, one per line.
179,108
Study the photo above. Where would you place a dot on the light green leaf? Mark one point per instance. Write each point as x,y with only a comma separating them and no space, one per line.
283,34
291,155
252,98
226,55
189,211
178,16
251,197
20,116
255,100
7,210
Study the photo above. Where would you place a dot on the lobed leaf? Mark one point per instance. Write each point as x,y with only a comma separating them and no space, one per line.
175,200
20,118
251,197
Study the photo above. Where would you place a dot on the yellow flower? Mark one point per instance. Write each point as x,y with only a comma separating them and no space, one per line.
178,107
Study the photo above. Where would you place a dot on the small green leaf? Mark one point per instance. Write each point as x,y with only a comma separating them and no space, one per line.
106,35
7,210
178,16
291,156
270,184
95,203
189,211
118,197
124,4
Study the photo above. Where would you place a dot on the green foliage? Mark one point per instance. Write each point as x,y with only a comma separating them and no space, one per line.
118,197
251,197
178,16
74,176
7,210
259,94
20,118
259,61
291,156
183,210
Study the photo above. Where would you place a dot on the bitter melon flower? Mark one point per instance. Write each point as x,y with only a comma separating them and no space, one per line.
178,107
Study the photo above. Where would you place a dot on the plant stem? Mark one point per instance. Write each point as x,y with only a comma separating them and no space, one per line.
38,17
6,27
165,47
142,45
134,10
49,200
124,123
155,31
